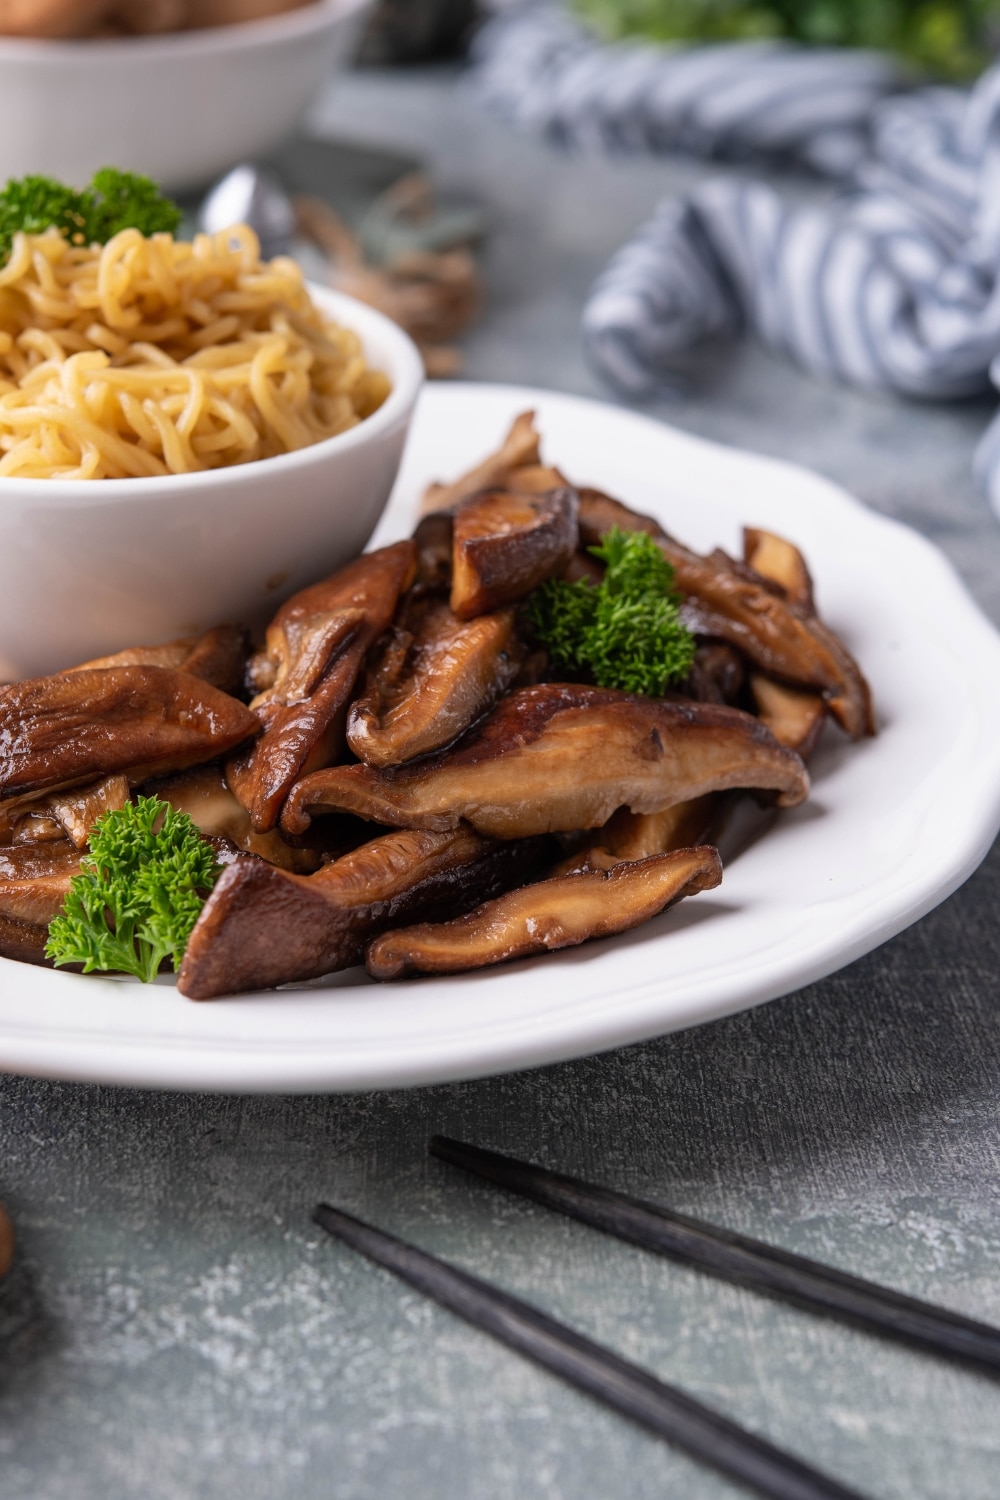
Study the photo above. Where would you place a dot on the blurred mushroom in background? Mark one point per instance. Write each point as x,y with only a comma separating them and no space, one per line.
410,260
84,18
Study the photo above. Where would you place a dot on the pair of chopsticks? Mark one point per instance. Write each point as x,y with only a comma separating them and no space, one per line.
702,1432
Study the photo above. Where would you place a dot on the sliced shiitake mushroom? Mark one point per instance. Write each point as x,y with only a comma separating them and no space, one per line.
795,717
204,794
429,683
630,836
77,811
729,601
60,815
35,881
140,721
263,927
781,562
314,649
433,542
23,941
218,656
718,674
519,448
507,542
560,757
556,913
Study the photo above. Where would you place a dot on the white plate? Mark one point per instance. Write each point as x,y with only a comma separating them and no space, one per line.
893,825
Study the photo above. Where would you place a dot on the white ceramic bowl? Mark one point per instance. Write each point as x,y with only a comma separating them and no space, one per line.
88,567
181,108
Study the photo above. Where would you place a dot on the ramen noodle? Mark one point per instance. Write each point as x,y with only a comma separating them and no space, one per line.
151,356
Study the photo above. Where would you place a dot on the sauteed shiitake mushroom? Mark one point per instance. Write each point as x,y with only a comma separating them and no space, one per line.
401,777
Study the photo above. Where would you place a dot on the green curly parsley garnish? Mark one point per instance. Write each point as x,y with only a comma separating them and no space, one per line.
624,633
139,894
112,201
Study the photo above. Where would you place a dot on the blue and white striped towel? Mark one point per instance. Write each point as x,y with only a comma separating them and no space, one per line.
536,66
894,285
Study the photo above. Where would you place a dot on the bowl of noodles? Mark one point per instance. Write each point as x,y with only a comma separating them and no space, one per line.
188,434
181,106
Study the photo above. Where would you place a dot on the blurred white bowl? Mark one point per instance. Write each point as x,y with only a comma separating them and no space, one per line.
181,108
88,567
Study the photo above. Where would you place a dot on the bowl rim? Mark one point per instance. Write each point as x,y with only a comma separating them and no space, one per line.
314,17
395,347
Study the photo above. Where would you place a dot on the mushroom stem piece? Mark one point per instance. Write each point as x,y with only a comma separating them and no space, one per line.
519,448
428,684
315,646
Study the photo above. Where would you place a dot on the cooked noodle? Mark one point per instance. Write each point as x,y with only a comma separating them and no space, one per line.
159,356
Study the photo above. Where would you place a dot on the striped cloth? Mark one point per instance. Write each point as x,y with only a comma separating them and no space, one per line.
894,285
536,66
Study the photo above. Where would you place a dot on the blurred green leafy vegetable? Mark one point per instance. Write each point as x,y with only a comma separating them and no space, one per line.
950,38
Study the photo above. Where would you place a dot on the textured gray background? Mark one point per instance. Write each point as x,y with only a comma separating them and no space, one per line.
175,1328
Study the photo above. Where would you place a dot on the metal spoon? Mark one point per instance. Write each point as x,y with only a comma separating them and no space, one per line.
251,195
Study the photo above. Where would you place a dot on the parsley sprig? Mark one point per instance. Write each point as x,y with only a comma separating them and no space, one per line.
624,633
141,889
112,201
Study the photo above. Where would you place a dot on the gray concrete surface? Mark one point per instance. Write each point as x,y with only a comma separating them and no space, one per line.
176,1329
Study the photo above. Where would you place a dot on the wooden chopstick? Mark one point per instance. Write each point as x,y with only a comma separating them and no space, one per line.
680,1419
736,1257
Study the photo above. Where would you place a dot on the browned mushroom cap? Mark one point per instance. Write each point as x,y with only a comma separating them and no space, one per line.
427,686
262,927
219,657
69,729
781,562
204,795
558,757
519,448
315,646
35,880
734,604
556,913
506,543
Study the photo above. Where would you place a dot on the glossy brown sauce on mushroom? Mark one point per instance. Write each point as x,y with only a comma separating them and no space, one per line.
396,778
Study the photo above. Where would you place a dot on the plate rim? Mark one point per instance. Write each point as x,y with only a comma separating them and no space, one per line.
228,1064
